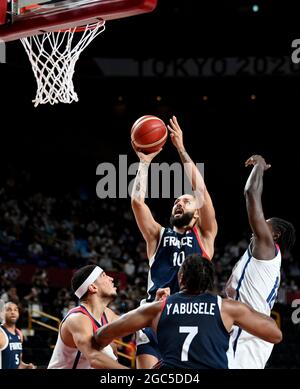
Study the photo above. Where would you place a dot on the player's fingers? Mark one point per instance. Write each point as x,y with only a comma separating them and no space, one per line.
174,118
249,161
171,129
174,124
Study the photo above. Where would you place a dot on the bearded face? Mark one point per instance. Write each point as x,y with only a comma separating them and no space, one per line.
183,211
11,313
182,220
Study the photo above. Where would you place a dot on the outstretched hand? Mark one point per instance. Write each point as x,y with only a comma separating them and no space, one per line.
31,366
257,160
144,157
162,293
176,133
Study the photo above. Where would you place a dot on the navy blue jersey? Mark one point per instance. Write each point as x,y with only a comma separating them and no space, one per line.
191,333
11,355
172,250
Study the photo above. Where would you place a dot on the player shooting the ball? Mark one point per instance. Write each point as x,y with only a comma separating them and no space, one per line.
192,230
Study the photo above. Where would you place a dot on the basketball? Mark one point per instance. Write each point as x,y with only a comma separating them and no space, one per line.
149,133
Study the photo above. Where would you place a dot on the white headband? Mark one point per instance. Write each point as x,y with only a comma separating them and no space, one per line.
91,278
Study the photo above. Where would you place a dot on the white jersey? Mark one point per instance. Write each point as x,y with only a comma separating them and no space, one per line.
5,344
255,283
65,357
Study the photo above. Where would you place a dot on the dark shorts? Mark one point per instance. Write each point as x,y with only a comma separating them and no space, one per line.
147,343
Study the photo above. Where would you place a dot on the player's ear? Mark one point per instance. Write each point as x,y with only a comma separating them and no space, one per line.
92,288
276,235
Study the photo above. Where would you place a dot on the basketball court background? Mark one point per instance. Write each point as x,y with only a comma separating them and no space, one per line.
224,70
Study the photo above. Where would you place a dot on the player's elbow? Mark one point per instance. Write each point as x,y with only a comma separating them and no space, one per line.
249,191
97,363
136,203
101,361
277,337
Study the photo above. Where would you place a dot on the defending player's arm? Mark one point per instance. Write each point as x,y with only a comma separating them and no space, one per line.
81,330
112,316
129,323
263,247
149,228
207,221
248,319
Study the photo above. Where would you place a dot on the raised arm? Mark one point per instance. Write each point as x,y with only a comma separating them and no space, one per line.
207,221
82,333
129,323
263,242
149,228
257,324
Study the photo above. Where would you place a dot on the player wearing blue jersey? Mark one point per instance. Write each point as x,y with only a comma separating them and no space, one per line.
11,339
193,230
255,278
193,325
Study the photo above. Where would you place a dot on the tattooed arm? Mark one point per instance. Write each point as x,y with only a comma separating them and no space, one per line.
149,228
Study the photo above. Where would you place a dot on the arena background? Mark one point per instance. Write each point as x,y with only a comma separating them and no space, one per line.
226,72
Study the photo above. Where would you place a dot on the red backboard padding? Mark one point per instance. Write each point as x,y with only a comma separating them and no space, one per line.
106,9
3,8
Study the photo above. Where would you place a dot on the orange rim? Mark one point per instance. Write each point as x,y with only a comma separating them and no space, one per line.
82,28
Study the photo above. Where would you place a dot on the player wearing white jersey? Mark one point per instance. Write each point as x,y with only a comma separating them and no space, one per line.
75,347
256,277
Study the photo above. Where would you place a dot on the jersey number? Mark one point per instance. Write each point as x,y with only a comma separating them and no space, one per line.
178,258
192,332
17,359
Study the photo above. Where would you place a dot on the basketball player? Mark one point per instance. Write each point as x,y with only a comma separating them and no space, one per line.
11,339
193,230
193,325
75,348
256,277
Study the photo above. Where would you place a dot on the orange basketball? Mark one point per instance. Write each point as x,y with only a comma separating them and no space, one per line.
149,133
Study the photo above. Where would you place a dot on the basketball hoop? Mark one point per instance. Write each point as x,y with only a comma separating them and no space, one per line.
53,57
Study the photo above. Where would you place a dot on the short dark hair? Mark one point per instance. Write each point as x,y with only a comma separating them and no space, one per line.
287,233
197,274
12,302
80,276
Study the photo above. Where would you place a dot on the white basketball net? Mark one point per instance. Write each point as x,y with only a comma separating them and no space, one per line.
53,56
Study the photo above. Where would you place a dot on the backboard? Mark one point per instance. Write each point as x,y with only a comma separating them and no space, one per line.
23,18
